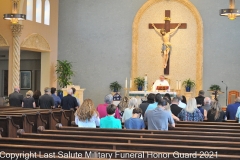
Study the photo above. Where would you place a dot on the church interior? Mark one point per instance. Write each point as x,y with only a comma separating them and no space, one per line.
108,41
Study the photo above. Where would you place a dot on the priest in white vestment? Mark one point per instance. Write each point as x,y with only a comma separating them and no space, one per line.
160,82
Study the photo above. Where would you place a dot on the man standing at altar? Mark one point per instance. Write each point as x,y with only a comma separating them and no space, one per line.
160,82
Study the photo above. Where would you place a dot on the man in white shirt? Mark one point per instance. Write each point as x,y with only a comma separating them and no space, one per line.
160,82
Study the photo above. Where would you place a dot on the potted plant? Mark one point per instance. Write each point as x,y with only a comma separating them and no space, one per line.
188,84
215,87
115,86
139,82
64,73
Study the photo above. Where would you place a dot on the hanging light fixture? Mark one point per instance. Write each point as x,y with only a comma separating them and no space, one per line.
14,17
232,12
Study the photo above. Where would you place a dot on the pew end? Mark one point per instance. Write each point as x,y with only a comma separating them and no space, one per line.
40,129
20,132
58,125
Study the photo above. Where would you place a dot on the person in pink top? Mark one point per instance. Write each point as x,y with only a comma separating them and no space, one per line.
102,108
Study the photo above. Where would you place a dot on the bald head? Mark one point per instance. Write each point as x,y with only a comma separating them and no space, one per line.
237,99
70,91
16,89
207,100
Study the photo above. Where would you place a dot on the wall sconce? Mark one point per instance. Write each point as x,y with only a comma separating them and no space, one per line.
232,12
14,17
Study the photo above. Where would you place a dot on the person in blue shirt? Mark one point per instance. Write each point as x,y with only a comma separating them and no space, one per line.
158,98
57,100
232,109
135,122
110,121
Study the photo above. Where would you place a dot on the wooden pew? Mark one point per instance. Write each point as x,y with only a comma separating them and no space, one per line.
51,116
127,137
87,153
22,121
1,130
174,140
216,130
47,118
9,128
121,146
217,126
225,123
177,131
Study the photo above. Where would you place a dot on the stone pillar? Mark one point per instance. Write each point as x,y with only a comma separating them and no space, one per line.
16,30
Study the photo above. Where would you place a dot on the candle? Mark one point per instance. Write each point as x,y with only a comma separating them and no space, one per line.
126,83
130,83
177,85
180,85
145,82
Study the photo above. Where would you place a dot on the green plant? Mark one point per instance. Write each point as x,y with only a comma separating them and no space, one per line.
188,83
115,86
215,87
64,72
139,81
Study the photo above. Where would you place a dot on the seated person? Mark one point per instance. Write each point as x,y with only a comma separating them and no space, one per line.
215,114
175,109
109,121
135,122
152,106
86,115
184,100
191,112
102,108
181,104
160,82
123,105
150,100
168,98
128,111
159,118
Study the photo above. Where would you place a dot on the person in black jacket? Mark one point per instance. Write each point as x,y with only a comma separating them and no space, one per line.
16,98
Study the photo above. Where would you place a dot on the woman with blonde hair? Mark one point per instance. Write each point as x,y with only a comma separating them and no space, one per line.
28,101
133,103
215,114
87,115
191,112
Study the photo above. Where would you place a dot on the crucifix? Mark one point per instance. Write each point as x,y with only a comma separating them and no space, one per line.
166,48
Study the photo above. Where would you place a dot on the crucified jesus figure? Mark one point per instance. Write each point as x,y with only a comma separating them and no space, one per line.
166,46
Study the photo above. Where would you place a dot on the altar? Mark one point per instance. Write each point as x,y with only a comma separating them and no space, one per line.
145,93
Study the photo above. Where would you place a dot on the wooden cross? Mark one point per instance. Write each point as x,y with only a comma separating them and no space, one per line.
167,26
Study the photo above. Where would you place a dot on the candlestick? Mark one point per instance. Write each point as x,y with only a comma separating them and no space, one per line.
180,85
176,84
145,82
130,83
126,83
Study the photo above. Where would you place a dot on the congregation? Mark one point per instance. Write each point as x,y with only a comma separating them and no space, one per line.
157,113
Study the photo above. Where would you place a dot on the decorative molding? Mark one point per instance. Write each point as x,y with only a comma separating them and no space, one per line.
36,42
3,41
199,43
16,29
